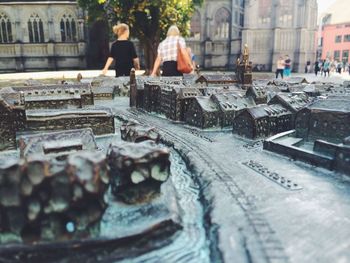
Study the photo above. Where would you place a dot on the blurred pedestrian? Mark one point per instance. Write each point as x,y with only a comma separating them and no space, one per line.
287,66
322,65
280,67
339,67
326,67
317,67
308,66
167,53
193,58
122,52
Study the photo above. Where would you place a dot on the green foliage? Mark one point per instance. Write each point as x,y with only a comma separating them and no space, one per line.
146,18
149,20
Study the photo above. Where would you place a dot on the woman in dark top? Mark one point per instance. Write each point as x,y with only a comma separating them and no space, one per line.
123,52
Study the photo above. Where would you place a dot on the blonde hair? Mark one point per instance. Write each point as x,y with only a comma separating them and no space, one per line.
120,29
173,31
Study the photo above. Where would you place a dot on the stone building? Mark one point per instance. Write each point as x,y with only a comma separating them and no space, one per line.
270,28
324,120
334,32
203,112
100,121
216,30
40,35
49,34
12,119
262,121
274,27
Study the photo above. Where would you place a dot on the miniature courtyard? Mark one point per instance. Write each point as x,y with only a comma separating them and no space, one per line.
209,168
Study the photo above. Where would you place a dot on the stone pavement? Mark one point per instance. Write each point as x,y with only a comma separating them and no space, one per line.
334,77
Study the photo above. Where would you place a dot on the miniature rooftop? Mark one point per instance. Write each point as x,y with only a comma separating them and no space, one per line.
332,104
264,110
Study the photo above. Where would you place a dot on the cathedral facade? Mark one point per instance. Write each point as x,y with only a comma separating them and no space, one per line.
49,34
41,35
271,28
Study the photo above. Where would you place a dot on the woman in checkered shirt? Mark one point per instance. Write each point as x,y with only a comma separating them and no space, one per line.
167,53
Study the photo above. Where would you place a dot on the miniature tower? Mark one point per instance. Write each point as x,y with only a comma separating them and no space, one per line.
133,91
244,68
21,96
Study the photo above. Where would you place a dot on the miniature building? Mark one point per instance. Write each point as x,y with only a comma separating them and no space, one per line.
57,95
217,79
230,105
203,113
104,92
12,120
219,89
338,90
151,96
296,80
312,91
346,84
133,88
57,143
83,89
293,102
64,101
244,68
137,170
140,89
262,121
134,132
175,101
100,121
41,195
320,135
258,94
324,119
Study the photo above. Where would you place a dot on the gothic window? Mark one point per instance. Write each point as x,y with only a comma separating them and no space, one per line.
5,29
196,25
35,29
286,18
222,23
265,12
68,29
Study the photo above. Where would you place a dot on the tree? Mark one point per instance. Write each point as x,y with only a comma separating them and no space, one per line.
149,20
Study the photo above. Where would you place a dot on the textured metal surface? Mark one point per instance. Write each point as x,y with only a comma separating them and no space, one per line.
286,183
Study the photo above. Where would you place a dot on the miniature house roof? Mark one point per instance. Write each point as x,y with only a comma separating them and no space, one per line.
66,113
69,96
258,92
207,104
7,90
187,92
78,86
35,143
217,78
294,101
297,80
104,89
12,99
218,89
258,112
233,101
334,104
265,110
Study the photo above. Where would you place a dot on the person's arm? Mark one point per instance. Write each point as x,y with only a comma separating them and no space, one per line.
108,64
135,59
156,65
136,62
194,64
